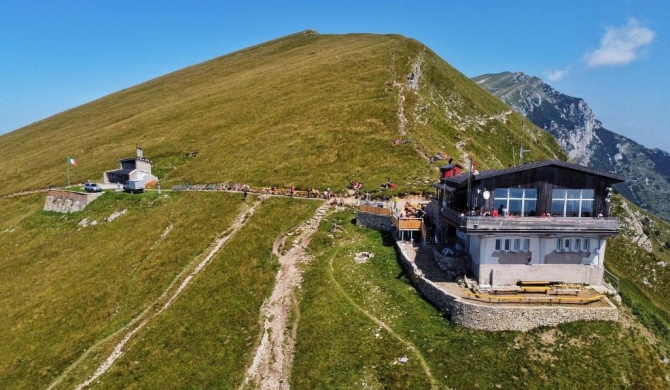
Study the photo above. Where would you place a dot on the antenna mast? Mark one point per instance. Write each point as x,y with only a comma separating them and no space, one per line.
521,149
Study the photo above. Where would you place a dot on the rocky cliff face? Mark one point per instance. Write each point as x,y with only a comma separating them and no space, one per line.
585,140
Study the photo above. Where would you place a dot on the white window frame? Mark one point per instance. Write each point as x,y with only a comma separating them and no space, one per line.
497,201
565,200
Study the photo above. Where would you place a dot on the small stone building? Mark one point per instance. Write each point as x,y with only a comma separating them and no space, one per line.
135,168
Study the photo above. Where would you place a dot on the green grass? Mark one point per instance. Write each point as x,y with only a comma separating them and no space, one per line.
208,337
303,110
64,287
338,347
634,265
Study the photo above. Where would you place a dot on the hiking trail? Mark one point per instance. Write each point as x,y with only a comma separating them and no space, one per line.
279,315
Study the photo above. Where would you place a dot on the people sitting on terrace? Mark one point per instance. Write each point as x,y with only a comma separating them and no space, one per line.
494,213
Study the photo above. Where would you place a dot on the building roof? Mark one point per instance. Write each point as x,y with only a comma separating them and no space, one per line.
122,171
450,166
457,180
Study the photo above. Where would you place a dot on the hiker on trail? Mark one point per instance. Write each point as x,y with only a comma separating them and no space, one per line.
245,193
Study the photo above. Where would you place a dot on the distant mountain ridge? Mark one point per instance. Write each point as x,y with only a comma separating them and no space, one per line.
584,138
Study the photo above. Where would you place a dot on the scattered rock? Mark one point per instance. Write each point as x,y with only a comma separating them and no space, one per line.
116,214
362,257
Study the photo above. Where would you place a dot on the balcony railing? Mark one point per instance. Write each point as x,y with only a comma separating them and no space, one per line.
473,224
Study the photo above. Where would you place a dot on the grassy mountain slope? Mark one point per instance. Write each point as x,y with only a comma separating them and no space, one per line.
342,298
305,110
640,256
302,110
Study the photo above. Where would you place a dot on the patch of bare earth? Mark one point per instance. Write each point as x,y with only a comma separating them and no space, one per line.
279,315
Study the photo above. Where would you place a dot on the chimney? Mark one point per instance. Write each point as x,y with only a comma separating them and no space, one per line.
140,154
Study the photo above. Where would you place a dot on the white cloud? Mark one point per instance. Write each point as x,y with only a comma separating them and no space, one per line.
557,75
620,45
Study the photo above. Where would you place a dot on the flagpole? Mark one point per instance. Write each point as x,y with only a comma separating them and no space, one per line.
68,171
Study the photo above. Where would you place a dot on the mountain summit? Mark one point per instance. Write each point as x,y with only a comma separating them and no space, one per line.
303,110
584,138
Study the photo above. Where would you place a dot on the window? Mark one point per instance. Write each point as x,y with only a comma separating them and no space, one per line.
512,244
518,201
572,244
572,203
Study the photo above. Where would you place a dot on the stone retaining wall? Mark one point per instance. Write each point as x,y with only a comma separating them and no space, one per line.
68,201
374,221
499,317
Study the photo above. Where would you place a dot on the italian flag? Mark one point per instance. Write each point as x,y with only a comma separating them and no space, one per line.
71,161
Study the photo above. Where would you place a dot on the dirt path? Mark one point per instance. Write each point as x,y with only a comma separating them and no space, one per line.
272,363
164,302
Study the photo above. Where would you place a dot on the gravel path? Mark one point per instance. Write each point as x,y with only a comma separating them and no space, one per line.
279,315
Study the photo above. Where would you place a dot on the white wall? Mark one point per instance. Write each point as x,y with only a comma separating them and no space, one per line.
590,271
511,274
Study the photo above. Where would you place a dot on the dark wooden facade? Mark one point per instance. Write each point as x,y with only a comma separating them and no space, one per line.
543,176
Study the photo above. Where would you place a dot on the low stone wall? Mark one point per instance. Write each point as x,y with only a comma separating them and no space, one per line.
374,221
499,317
68,201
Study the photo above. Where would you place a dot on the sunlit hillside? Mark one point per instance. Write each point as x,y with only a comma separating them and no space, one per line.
170,290
304,110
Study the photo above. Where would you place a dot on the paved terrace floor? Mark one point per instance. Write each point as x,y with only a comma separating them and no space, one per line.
423,258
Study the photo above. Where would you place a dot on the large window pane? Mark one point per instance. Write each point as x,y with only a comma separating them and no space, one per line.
531,193
574,194
529,205
587,194
500,193
557,207
558,194
572,208
514,207
587,208
516,193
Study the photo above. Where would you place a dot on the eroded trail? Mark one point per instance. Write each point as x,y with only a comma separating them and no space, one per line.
272,363
161,304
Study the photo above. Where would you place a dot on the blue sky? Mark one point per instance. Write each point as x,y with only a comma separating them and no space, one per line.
614,54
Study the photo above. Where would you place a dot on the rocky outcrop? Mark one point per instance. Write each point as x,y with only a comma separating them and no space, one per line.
572,122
